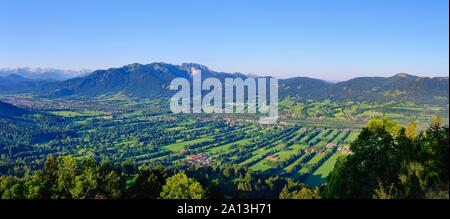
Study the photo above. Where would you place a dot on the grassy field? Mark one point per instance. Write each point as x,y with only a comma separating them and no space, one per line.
224,148
176,147
67,113
319,176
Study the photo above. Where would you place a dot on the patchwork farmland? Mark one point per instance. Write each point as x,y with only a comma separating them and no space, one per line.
306,154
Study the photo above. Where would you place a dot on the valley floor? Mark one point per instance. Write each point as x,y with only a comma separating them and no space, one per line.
304,149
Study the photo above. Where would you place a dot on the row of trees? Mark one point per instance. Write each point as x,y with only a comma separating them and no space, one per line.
69,178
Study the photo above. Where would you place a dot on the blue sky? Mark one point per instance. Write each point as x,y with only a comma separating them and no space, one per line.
328,39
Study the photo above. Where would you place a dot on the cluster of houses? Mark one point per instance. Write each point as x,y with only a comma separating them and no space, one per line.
160,118
199,159
237,121
311,150
228,121
272,157
345,149
317,118
30,103
231,122
330,145
286,114
167,119
304,129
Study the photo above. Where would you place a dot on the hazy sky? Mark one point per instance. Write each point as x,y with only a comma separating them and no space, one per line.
333,39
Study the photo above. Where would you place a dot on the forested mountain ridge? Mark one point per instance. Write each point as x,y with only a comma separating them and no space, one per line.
152,81
401,87
8,110
136,80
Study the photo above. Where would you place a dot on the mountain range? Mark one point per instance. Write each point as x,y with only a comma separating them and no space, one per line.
47,74
152,81
399,88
